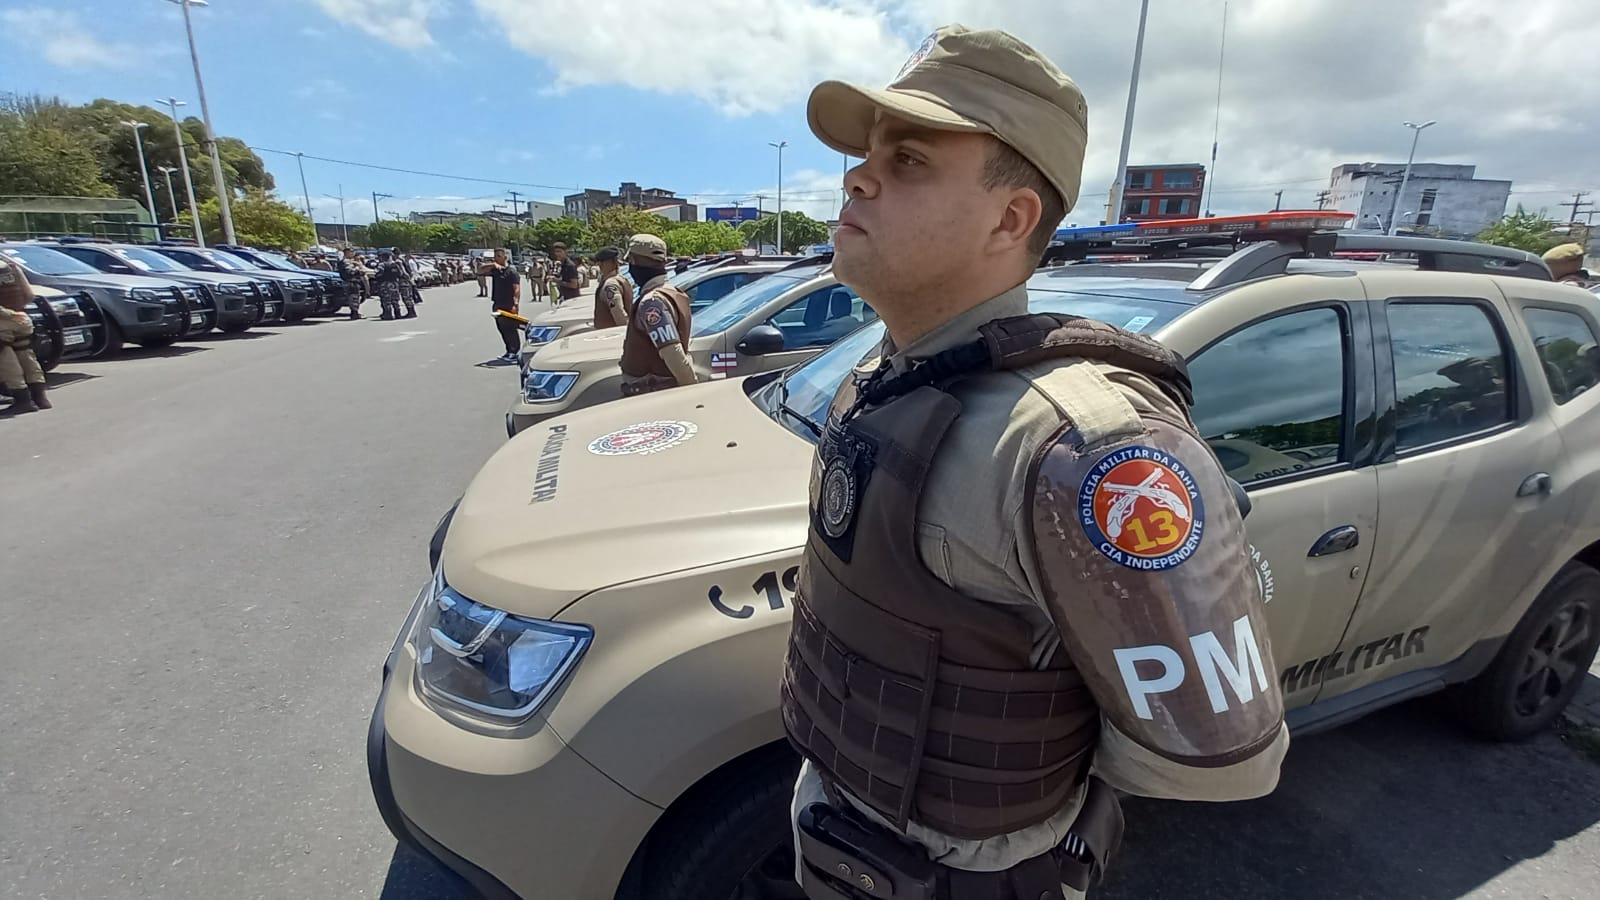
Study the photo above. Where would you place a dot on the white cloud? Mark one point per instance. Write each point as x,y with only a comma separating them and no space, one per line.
65,41
403,23
740,56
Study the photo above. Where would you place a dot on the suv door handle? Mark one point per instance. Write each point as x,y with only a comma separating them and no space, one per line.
1340,539
1537,483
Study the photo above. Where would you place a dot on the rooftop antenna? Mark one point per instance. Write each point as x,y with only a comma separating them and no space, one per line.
1216,126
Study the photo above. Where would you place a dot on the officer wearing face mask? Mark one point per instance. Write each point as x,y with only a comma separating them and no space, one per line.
655,350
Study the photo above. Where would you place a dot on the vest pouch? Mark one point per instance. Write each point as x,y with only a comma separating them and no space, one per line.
845,857
877,711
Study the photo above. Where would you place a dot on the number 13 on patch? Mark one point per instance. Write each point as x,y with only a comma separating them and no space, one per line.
1141,509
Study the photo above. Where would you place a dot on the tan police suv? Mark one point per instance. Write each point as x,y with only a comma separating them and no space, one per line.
583,700
783,318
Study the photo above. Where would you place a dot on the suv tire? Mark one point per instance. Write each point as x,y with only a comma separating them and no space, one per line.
734,842
1542,663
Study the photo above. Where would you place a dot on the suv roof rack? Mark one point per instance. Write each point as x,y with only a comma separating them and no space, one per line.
1262,245
820,259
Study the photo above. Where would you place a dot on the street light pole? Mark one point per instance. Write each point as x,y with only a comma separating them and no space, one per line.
171,198
205,117
342,226
299,159
780,145
1416,134
1127,121
375,196
144,170
183,163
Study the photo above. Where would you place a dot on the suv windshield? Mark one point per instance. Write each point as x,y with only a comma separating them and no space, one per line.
808,389
730,310
222,260
275,259
46,261
145,260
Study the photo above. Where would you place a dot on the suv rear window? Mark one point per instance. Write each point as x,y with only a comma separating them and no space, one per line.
1567,351
1449,373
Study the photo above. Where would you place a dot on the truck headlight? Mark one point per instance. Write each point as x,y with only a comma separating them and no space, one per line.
541,387
489,662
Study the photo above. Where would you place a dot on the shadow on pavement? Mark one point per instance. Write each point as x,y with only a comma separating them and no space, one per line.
411,877
1400,804
134,351
495,363
58,378
222,337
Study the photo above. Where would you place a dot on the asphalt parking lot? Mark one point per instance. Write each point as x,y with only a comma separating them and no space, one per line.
207,551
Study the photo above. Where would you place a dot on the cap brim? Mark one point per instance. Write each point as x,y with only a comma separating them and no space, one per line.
841,115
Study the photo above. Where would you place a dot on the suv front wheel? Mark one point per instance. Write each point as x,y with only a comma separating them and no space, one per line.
1542,664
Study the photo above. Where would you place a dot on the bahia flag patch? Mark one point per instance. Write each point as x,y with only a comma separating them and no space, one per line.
723,363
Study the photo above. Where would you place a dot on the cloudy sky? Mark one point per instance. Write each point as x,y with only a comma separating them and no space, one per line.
544,96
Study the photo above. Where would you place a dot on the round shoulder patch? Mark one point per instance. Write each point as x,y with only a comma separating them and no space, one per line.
1142,509
644,438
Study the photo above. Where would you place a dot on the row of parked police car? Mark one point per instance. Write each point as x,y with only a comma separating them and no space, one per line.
95,296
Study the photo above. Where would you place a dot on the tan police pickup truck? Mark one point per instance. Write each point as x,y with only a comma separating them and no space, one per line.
772,323
583,700
704,285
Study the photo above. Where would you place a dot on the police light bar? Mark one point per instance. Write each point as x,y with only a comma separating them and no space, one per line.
1094,233
1286,222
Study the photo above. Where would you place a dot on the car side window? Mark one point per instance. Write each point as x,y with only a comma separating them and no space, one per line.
714,288
1270,398
822,317
1569,351
99,261
1449,372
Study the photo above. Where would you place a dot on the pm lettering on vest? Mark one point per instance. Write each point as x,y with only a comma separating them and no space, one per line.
1210,659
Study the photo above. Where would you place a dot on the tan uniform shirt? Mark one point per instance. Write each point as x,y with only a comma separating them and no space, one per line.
969,522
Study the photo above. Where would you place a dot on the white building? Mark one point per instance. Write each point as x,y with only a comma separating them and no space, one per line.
1442,199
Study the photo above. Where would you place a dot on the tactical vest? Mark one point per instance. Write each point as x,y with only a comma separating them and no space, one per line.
602,310
916,699
639,355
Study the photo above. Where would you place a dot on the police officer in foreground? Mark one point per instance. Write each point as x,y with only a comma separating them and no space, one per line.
613,296
655,350
1025,584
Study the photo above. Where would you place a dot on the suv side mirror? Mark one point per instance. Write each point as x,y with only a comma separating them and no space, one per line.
761,340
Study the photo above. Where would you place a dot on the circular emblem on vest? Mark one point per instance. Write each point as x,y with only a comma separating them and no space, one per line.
644,438
838,498
1142,509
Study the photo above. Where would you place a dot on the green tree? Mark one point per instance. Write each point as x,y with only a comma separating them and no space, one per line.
41,158
1524,231
546,232
799,230
259,220
612,226
443,238
696,238
407,237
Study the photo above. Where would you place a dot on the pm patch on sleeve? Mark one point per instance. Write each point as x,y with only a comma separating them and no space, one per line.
1141,508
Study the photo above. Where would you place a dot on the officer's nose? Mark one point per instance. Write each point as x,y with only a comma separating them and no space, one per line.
859,181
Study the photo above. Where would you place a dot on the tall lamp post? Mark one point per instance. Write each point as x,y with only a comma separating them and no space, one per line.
205,116
183,163
171,198
144,170
1416,134
780,145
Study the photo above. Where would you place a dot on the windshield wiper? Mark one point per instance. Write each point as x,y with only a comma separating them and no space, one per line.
783,404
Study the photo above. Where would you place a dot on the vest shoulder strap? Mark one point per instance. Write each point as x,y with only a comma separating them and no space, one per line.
1020,341
1097,408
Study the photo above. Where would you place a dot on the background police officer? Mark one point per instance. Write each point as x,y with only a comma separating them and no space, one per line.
1024,571
20,374
505,291
613,295
356,280
655,349
1566,264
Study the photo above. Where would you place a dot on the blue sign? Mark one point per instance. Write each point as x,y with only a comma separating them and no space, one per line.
733,215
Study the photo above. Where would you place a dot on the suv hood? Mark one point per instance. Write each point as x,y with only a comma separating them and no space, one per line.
587,349
112,281
195,277
565,314
548,519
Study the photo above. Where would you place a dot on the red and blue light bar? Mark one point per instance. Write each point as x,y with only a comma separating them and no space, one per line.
1282,222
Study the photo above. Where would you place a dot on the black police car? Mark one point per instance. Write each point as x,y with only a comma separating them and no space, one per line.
329,292
291,294
239,300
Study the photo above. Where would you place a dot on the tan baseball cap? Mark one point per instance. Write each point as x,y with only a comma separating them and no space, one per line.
985,82
648,246
1563,252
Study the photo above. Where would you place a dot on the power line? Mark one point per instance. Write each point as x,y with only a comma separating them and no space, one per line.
361,165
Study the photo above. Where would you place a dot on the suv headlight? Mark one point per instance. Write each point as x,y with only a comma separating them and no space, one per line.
540,387
149,295
230,287
542,334
489,662
67,305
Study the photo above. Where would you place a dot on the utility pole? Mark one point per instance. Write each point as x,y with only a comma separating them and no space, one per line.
1577,205
375,196
183,163
780,145
1322,199
299,159
514,216
1127,122
342,226
205,116
1279,205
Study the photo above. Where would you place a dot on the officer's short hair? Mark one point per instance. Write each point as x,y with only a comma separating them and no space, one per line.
1006,168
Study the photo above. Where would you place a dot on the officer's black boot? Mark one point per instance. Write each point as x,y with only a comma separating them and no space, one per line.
37,393
21,402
